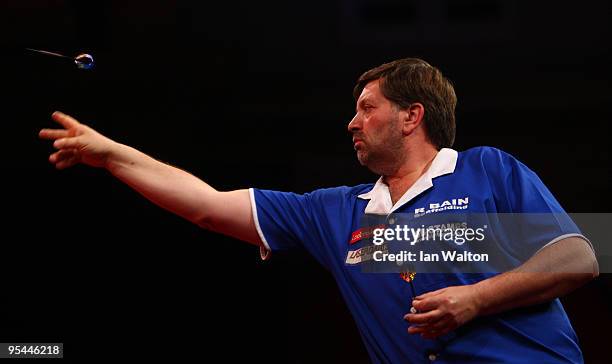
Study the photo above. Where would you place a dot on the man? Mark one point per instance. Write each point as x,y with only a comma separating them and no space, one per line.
403,128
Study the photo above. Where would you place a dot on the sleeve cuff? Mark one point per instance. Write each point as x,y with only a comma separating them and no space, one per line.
264,249
565,236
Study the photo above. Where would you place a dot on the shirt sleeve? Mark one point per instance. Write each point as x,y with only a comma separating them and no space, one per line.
286,220
537,218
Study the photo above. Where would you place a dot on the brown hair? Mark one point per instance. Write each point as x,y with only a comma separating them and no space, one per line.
410,80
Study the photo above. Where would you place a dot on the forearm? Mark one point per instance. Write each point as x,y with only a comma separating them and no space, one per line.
168,187
553,272
514,289
173,189
184,194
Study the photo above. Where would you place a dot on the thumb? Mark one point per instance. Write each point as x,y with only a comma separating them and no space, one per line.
66,143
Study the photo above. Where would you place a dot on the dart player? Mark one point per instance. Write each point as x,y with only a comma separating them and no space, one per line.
403,130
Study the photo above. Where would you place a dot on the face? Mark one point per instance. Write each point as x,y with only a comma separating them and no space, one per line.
377,131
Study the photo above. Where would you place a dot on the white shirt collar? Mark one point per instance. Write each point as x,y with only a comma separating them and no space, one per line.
380,198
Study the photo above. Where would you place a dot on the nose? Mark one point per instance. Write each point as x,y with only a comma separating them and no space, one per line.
355,124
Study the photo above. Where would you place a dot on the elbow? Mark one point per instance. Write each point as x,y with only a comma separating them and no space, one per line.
590,272
591,265
582,260
595,271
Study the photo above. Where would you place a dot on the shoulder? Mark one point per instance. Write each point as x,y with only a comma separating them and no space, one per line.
340,192
499,167
491,160
487,155
328,196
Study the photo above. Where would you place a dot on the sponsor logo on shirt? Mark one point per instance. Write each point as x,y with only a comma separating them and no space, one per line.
452,204
364,233
365,253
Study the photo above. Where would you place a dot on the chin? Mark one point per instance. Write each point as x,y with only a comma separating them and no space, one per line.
362,158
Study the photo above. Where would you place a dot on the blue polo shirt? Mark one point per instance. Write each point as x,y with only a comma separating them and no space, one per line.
327,223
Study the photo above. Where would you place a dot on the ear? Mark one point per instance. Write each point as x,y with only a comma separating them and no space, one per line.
411,117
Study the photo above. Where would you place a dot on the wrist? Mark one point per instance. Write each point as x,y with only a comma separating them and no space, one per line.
113,157
479,298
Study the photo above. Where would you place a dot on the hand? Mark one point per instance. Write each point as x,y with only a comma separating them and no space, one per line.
77,143
441,311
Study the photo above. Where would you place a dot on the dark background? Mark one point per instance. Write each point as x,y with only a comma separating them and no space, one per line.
259,94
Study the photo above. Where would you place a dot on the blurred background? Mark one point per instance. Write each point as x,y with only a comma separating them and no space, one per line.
259,94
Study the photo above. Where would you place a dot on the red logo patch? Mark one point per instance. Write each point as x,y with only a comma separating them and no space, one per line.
364,233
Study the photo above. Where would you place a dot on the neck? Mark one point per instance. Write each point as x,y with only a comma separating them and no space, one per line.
416,162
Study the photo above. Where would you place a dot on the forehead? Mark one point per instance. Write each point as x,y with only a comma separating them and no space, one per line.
371,91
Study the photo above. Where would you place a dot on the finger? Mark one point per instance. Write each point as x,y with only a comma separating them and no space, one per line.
66,143
67,163
440,325
427,304
416,329
427,331
52,134
61,155
439,328
430,294
423,318
66,121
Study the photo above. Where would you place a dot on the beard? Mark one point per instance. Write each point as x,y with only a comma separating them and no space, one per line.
384,155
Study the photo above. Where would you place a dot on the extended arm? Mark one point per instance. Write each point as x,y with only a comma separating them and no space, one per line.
168,187
553,272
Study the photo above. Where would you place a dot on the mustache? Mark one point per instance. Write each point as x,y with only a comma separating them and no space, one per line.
358,136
